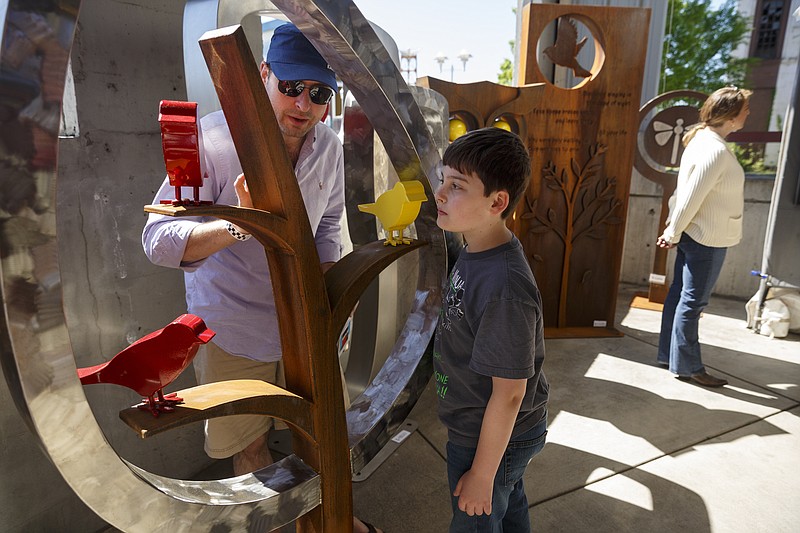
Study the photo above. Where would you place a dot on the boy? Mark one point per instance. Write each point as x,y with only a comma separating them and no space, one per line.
489,348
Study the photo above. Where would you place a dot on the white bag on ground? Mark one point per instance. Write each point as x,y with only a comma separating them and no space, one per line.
774,319
791,298
780,315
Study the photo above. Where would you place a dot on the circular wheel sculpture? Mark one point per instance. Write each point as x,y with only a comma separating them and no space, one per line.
661,145
39,364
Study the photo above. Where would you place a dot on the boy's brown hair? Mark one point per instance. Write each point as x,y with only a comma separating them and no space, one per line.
497,157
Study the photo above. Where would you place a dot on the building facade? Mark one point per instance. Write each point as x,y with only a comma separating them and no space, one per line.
774,46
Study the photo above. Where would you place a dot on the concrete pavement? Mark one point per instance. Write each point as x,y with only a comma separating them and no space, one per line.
631,448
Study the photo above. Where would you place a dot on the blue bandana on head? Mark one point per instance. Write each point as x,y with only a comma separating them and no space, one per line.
292,57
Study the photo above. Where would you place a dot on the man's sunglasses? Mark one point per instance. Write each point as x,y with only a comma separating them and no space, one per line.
319,94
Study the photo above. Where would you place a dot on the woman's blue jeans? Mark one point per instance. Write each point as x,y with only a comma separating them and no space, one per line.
509,503
697,269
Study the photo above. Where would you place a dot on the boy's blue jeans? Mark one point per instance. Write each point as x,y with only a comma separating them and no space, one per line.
697,268
509,503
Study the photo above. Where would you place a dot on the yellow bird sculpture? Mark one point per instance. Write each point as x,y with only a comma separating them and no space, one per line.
397,208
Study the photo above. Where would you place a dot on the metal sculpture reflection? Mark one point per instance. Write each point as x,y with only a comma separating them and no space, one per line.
36,352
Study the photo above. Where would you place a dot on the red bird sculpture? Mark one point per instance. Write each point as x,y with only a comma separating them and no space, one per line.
180,142
153,362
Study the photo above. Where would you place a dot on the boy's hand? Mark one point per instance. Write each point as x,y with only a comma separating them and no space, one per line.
474,489
242,192
474,493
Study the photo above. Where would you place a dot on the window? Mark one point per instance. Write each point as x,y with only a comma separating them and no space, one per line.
768,29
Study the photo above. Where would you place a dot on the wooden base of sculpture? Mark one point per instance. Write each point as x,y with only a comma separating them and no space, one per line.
642,300
576,333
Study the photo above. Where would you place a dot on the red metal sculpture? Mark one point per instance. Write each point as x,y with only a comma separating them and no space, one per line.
153,362
180,142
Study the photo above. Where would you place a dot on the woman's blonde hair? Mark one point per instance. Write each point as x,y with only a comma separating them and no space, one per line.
723,104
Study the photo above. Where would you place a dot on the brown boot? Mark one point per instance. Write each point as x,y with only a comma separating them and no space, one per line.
705,379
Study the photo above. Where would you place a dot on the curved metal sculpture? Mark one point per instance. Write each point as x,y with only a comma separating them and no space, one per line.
40,367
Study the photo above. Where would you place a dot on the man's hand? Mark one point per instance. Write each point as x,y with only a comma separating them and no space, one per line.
242,192
210,237
474,493
243,197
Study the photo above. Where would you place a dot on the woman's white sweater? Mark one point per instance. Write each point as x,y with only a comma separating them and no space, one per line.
709,199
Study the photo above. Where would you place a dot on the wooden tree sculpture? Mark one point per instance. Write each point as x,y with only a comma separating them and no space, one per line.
589,205
582,142
311,308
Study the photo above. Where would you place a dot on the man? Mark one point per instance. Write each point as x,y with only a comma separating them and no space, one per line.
226,274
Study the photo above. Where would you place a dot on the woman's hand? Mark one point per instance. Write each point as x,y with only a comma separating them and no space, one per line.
662,243
242,192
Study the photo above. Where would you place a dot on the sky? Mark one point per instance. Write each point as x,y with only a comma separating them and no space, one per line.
428,27
481,27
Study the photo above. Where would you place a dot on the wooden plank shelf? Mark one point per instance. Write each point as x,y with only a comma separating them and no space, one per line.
242,396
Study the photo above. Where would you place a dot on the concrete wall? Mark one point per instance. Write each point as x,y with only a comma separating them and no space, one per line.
126,57
33,495
644,206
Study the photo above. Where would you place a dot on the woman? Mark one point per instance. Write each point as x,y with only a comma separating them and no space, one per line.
705,219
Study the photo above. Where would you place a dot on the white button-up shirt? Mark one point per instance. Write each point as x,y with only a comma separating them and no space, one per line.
231,290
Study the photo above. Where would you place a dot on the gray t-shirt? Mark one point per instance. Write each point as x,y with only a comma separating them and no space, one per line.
490,326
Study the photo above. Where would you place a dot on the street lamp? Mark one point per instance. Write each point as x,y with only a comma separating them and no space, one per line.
408,56
440,58
464,56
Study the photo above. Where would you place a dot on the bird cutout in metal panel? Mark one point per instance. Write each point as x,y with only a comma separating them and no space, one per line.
564,51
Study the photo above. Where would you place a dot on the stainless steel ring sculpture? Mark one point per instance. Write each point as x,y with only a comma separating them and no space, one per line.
39,364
